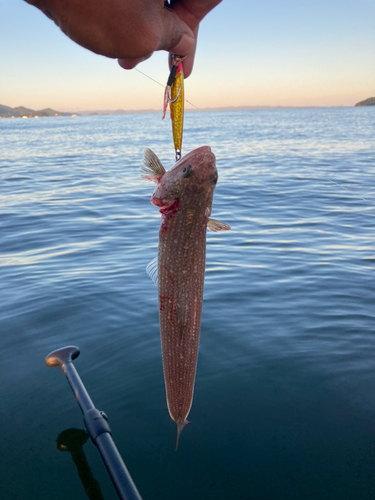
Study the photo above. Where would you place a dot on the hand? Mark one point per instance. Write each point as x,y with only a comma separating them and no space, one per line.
130,30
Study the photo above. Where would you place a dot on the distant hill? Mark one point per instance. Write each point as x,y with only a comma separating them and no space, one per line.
8,112
367,102
21,111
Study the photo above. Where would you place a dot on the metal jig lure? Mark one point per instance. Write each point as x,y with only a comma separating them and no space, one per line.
174,95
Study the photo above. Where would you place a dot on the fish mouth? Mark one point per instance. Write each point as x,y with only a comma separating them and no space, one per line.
204,148
206,169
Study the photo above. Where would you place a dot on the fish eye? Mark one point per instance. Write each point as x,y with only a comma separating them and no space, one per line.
187,171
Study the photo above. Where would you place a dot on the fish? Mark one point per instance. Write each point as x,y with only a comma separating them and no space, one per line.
184,195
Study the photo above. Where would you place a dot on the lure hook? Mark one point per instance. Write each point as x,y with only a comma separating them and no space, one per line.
177,96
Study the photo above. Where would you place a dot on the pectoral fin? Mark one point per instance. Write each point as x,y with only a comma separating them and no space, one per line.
215,225
152,270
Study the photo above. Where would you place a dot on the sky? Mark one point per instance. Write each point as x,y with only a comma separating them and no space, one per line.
269,53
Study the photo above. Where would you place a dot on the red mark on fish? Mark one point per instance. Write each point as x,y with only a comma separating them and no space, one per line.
184,195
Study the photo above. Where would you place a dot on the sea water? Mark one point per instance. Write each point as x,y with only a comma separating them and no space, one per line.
284,404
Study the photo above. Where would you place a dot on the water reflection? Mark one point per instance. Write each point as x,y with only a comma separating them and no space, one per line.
72,440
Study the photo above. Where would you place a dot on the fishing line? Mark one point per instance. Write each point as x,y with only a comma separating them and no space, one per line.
272,157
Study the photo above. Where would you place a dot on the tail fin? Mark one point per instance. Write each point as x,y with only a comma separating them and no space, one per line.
179,429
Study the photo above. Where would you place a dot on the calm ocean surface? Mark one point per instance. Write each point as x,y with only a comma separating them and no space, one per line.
284,405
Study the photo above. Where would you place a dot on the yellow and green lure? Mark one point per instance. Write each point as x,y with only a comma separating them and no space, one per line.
174,95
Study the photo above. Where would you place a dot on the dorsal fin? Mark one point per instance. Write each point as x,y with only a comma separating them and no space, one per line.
154,170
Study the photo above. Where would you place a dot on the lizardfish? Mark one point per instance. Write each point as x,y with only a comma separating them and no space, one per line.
184,195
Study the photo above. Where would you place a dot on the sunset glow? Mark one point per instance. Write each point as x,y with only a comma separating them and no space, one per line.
250,55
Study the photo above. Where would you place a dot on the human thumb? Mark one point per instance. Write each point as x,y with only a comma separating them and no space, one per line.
175,35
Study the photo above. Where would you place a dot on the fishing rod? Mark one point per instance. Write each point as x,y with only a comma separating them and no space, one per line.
96,424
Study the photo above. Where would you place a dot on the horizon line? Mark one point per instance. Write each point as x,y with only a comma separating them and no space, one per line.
91,112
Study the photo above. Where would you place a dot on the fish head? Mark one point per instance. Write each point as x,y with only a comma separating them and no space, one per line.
194,176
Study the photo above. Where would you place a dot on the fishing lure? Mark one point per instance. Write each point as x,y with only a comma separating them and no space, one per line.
174,96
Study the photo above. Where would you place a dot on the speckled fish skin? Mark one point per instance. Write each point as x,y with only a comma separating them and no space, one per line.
184,195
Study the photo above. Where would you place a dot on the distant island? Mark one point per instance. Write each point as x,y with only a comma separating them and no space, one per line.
367,102
22,112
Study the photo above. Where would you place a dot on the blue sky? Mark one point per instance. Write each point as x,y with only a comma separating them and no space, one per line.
276,53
